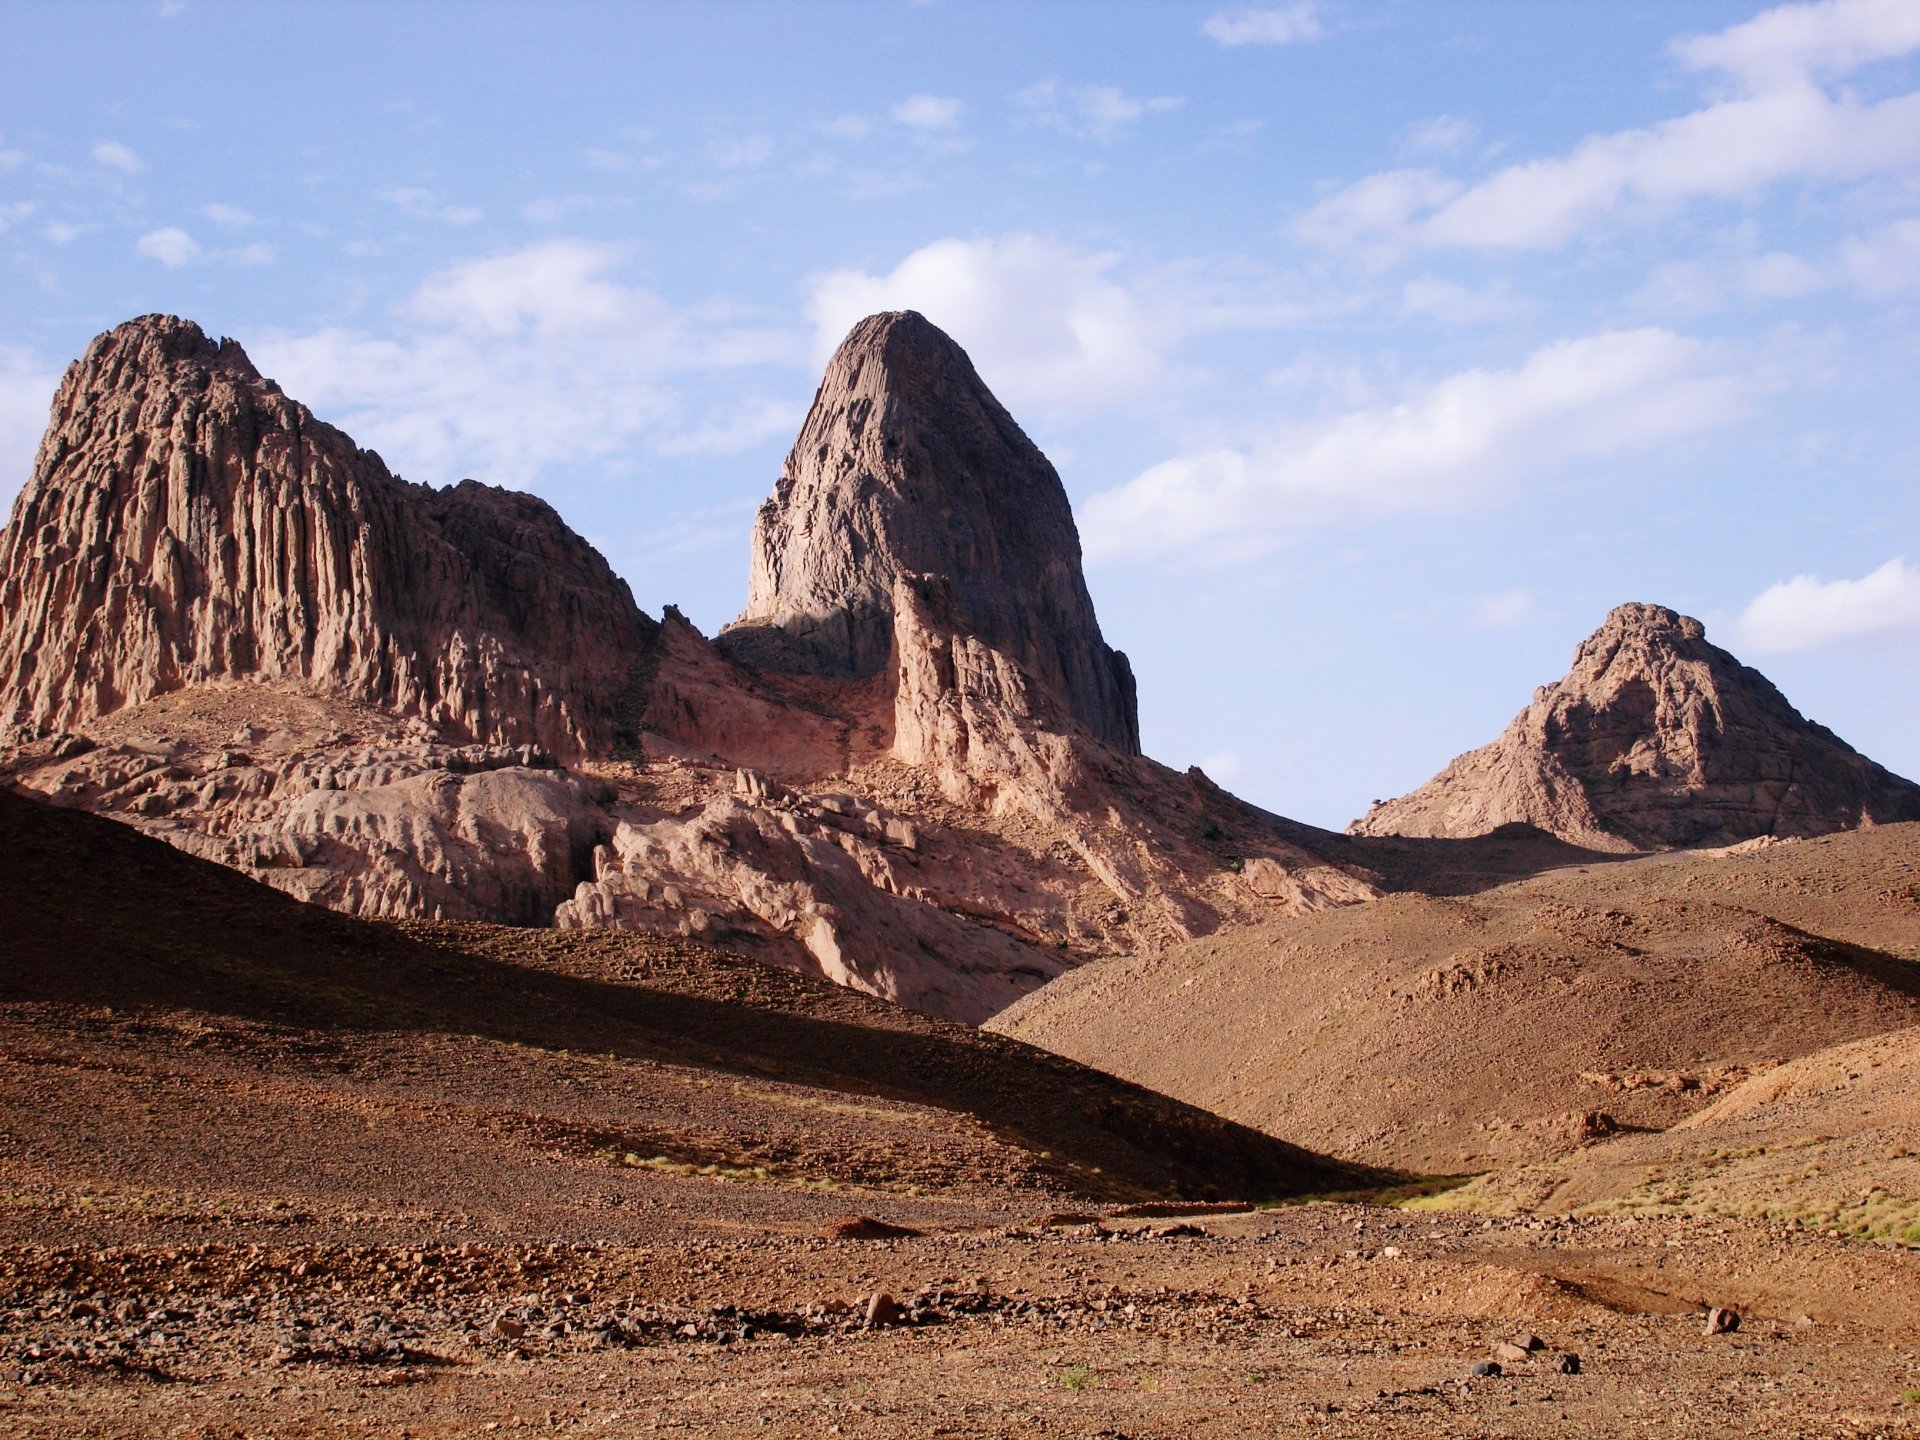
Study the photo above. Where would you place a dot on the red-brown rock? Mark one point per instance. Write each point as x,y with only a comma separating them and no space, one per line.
908,466
1656,738
187,522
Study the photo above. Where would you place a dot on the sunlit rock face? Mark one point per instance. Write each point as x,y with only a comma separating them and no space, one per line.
1655,738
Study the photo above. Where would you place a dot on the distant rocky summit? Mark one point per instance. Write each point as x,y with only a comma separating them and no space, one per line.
912,766
1655,739
908,470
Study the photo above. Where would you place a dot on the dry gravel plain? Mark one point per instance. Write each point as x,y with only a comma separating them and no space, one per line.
269,1171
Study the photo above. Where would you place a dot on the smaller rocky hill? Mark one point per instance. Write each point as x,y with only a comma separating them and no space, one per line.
1655,738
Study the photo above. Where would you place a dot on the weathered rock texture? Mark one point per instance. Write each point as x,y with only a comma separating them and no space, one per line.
907,466
186,522
913,768
335,803
1655,739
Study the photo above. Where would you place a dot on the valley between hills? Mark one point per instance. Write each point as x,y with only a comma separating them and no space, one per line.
439,998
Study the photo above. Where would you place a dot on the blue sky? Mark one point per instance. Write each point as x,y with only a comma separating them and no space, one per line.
1382,346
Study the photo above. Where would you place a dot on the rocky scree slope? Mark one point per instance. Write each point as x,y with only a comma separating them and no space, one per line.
1655,738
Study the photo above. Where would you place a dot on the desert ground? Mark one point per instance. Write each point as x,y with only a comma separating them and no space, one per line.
264,1179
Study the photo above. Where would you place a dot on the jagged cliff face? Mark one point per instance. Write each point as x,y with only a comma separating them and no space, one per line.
1656,738
907,466
912,769
186,522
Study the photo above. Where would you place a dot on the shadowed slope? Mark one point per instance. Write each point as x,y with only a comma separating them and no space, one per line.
97,915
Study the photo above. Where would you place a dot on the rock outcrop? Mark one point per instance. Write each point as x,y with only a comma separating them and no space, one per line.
1655,739
907,466
912,768
186,522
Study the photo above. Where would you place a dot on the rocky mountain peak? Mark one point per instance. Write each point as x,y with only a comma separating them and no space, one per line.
1655,738
907,466
186,522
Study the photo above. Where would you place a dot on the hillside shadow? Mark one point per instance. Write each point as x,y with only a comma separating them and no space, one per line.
1480,862
99,915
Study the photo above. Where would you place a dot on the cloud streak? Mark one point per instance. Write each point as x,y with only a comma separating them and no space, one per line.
1457,443
1292,24
1781,126
1807,613
502,366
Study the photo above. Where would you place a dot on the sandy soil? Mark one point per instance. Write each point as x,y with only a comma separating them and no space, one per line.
1475,1032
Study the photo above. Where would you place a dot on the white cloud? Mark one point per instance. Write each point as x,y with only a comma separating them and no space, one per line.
502,366
1456,443
13,212
59,232
1791,42
1806,612
228,217
119,157
1504,611
1091,112
172,246
1885,262
1454,304
928,112
1265,24
744,152
1700,287
1781,127
1441,135
1047,325
26,391
425,205
846,127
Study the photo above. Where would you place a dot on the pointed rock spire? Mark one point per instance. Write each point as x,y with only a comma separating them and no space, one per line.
1655,738
907,466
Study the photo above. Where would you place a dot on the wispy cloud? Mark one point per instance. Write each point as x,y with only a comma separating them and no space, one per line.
1441,135
119,157
1091,112
1045,321
1291,24
1780,125
1455,443
1807,612
426,205
171,246
928,112
501,366
228,217
1504,611
174,248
